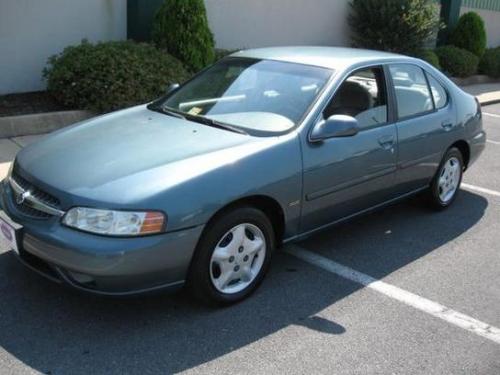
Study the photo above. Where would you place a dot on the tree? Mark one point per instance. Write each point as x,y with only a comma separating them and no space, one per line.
181,27
401,26
470,34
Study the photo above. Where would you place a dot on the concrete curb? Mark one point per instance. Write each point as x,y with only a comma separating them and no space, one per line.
486,93
488,97
477,79
39,123
488,102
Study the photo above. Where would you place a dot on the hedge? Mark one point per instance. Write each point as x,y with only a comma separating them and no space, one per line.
111,75
429,56
456,61
490,62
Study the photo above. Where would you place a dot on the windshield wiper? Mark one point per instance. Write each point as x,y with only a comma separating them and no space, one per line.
166,111
196,118
214,123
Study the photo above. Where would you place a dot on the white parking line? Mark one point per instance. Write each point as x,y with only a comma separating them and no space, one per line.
491,114
480,189
493,142
430,307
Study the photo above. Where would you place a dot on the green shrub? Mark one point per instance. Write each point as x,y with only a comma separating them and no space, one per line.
429,56
402,26
490,62
469,34
181,27
111,75
456,61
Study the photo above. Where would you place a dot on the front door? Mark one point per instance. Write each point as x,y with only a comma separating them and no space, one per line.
346,175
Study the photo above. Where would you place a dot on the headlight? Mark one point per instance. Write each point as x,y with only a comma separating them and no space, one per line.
114,223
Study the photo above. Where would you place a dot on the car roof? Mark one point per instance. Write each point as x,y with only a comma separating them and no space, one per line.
335,58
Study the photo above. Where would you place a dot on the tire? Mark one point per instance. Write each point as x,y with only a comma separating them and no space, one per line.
446,183
228,264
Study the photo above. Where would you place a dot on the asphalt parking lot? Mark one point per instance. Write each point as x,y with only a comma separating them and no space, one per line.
304,318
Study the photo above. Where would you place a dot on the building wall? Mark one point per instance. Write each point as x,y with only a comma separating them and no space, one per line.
33,30
259,23
492,22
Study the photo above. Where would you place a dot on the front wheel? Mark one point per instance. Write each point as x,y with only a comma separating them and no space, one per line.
232,256
446,183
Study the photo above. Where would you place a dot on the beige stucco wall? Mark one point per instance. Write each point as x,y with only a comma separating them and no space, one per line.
33,30
258,23
492,21
254,23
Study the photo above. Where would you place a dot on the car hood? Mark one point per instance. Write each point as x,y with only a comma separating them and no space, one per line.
109,148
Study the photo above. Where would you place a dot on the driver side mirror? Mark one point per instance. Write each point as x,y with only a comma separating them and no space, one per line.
172,88
333,127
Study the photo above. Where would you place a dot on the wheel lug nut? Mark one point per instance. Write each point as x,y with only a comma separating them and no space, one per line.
240,249
236,268
231,259
245,258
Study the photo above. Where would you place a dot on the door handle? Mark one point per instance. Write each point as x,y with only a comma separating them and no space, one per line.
447,125
386,142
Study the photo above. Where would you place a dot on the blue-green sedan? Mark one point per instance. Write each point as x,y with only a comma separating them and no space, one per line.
265,147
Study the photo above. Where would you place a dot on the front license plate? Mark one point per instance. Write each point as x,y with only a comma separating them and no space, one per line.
9,232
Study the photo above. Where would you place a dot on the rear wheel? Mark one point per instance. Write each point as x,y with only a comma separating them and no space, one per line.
446,183
232,257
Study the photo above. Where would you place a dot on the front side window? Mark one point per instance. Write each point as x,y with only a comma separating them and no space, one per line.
438,92
363,96
261,95
412,92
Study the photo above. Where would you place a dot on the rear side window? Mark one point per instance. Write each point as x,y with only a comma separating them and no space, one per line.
363,96
412,92
438,92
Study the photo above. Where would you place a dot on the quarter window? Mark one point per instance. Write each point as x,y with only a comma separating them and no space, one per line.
412,92
438,92
363,96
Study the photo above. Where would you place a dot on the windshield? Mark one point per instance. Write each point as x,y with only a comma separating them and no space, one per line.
261,95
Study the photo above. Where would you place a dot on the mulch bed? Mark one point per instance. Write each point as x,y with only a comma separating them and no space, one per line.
28,103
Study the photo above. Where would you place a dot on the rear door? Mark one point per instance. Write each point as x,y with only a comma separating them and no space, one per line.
425,125
343,176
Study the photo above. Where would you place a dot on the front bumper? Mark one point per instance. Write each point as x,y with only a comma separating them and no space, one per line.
99,264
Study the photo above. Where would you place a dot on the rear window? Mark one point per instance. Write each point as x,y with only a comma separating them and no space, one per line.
438,92
412,92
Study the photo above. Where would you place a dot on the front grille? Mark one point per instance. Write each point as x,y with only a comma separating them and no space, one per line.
32,212
25,208
35,192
